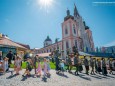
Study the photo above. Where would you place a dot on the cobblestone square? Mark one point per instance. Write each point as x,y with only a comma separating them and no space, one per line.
58,80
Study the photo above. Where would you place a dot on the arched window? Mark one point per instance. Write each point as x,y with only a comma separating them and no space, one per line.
74,29
75,43
81,45
66,31
67,45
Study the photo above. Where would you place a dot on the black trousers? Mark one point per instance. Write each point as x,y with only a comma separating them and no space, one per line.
77,69
57,67
104,70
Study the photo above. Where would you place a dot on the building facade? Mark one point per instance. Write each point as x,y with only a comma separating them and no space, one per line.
74,33
110,49
6,45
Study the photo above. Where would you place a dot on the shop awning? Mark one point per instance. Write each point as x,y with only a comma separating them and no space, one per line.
84,54
44,54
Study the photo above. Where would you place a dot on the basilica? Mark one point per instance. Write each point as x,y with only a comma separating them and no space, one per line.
74,33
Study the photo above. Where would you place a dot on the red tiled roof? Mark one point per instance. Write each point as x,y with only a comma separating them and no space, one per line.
24,45
5,41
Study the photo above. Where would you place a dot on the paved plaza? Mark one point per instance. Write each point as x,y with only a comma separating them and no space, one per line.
57,80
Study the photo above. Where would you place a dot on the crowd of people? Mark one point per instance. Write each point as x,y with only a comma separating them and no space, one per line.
62,65
40,67
93,64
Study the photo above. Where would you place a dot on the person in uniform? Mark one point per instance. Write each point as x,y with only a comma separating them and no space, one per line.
76,63
104,69
92,62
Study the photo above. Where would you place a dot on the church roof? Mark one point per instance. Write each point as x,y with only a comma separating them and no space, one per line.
48,39
24,45
68,15
86,27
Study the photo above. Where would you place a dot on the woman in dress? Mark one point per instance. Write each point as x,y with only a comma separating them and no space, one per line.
39,69
48,67
45,67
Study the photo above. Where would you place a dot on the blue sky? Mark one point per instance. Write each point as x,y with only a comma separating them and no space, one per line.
25,21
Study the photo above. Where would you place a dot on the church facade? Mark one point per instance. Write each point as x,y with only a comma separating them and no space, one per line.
74,33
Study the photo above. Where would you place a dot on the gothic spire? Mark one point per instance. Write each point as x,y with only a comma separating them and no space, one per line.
75,11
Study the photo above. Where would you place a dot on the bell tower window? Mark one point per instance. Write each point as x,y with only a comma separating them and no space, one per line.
67,45
74,29
75,43
66,31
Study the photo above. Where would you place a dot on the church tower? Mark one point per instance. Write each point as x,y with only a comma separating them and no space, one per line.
76,14
69,33
47,41
82,34
74,33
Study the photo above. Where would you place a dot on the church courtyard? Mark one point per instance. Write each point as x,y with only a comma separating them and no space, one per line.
57,80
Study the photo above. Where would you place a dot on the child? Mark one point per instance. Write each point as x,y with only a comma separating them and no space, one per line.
48,67
39,69
45,67
17,65
62,66
5,64
28,67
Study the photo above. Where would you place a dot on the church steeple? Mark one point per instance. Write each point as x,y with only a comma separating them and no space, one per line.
68,15
76,14
68,12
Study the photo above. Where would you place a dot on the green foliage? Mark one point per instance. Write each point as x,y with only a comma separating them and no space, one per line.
52,65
